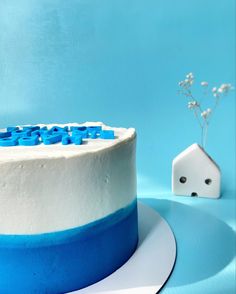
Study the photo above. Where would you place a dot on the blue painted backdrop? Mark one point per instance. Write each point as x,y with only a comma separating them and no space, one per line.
119,61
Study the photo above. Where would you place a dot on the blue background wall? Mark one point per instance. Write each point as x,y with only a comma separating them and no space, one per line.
119,61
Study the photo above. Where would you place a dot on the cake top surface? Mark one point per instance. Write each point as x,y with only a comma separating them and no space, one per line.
53,150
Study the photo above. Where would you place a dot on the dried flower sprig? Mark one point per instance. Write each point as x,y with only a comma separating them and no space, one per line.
203,116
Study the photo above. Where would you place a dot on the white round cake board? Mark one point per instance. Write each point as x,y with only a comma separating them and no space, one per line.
151,264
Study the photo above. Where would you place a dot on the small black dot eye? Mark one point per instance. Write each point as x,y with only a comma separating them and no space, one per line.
208,181
194,194
183,180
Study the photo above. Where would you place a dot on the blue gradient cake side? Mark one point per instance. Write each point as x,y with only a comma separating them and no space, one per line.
65,261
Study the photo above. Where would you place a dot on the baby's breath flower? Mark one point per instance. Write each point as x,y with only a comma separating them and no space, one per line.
205,114
190,76
192,104
225,88
203,117
204,84
186,83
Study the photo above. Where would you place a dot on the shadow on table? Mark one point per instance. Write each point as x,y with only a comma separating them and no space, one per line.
205,244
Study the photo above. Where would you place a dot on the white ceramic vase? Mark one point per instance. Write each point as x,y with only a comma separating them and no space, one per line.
194,173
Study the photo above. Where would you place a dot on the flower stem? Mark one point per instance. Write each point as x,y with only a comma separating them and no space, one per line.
197,117
202,136
206,124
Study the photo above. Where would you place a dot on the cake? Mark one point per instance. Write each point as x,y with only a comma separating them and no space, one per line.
68,208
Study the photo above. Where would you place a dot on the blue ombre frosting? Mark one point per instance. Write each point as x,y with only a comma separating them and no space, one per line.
64,261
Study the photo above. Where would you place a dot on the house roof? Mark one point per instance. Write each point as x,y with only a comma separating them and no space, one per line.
198,150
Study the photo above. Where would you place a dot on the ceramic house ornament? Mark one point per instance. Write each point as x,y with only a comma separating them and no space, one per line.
194,173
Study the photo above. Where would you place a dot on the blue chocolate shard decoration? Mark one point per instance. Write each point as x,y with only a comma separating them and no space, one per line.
11,129
107,134
83,134
66,140
7,142
5,134
77,139
51,139
21,133
34,135
29,141
31,128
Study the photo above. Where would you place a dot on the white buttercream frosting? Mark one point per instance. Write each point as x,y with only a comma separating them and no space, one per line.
47,188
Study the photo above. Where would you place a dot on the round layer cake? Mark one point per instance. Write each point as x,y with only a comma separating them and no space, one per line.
68,210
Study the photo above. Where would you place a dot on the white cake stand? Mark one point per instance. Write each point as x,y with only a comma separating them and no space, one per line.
151,264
